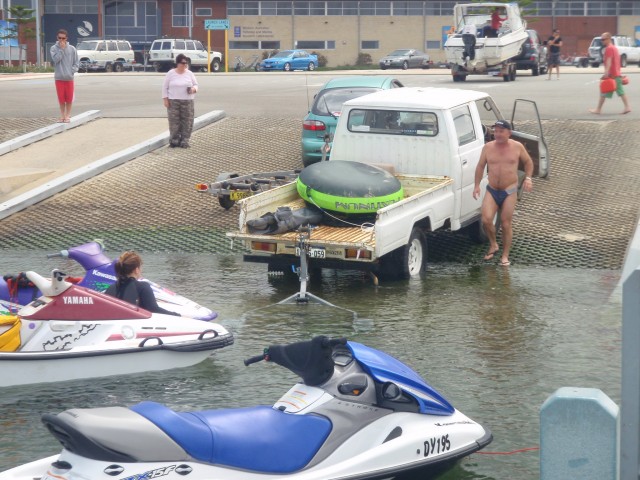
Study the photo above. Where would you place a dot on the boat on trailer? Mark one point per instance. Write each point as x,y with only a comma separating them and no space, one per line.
474,48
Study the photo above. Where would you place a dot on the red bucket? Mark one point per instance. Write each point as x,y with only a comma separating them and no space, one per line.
608,85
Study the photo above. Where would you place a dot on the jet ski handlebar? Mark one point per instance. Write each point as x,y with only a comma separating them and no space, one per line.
311,359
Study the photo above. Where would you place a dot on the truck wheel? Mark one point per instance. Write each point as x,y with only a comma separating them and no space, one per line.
215,65
535,70
407,261
623,60
118,67
226,202
157,67
595,64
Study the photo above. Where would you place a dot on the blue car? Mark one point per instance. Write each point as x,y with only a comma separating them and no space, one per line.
289,60
321,121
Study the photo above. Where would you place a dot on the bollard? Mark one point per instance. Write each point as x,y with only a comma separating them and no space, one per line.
579,435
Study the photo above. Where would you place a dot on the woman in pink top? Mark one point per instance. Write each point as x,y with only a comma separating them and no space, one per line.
611,62
178,91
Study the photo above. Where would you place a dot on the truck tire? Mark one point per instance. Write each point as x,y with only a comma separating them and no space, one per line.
623,60
157,66
535,70
215,65
407,261
118,67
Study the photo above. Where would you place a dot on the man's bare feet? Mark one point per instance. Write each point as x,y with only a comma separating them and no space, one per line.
626,111
594,111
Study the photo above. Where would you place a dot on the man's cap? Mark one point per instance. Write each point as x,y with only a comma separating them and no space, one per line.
503,124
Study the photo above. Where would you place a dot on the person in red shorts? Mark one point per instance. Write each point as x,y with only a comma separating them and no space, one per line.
65,65
611,62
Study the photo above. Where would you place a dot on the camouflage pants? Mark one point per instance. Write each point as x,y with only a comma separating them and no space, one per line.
180,114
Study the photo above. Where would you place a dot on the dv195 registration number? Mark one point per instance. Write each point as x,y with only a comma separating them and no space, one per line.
313,252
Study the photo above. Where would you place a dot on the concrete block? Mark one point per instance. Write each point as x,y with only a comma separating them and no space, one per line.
579,435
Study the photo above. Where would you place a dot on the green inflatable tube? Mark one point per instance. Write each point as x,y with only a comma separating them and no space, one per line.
348,187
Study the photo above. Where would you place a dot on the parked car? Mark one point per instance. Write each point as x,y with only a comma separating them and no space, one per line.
289,60
533,55
629,52
163,53
405,58
107,55
327,104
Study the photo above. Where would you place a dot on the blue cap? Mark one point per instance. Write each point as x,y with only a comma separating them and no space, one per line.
503,124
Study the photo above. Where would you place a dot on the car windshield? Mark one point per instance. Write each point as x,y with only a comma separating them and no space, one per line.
399,53
597,42
86,46
285,54
329,102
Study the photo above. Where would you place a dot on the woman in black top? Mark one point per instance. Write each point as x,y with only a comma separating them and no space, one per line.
128,270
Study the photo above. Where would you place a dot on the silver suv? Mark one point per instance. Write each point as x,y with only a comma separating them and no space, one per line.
107,55
163,53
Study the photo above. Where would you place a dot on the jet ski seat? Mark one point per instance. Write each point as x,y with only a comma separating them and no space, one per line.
279,442
49,288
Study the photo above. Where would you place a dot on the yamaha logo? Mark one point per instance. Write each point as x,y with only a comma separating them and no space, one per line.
114,470
74,300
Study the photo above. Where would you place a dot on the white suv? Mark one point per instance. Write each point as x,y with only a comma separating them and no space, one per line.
164,51
107,55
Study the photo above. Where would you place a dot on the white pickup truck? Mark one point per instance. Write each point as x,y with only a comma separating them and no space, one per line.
432,147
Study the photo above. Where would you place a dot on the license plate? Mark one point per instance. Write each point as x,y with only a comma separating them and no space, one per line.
313,252
239,194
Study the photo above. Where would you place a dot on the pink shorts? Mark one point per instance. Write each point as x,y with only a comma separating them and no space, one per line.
64,88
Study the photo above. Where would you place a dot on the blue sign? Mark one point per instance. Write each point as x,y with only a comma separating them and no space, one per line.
216,24
237,32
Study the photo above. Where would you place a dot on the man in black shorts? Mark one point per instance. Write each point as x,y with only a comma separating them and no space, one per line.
554,43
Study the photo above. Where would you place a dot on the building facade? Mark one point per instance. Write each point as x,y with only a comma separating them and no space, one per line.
340,30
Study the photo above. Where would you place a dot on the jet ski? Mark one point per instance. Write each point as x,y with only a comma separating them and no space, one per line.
99,275
72,332
357,413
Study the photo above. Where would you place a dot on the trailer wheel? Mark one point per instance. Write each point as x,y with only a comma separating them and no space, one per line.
226,202
512,74
407,261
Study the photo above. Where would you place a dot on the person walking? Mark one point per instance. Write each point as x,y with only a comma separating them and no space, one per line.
178,91
65,65
554,43
611,62
501,157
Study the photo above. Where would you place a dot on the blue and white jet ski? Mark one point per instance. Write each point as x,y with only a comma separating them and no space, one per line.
358,413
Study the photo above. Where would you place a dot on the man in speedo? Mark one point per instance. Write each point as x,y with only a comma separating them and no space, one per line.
501,158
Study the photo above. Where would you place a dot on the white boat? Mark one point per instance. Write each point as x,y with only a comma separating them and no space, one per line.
72,332
475,48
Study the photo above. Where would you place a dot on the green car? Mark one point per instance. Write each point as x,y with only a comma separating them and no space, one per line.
320,123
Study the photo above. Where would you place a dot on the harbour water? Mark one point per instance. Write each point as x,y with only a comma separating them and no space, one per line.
495,341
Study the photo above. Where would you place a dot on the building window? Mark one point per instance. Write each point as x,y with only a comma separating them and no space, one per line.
370,45
255,45
179,14
204,12
64,6
375,8
316,44
433,44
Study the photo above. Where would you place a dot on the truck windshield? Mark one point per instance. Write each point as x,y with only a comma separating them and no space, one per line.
393,122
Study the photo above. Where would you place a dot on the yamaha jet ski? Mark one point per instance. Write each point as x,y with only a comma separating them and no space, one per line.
357,413
72,332
99,275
